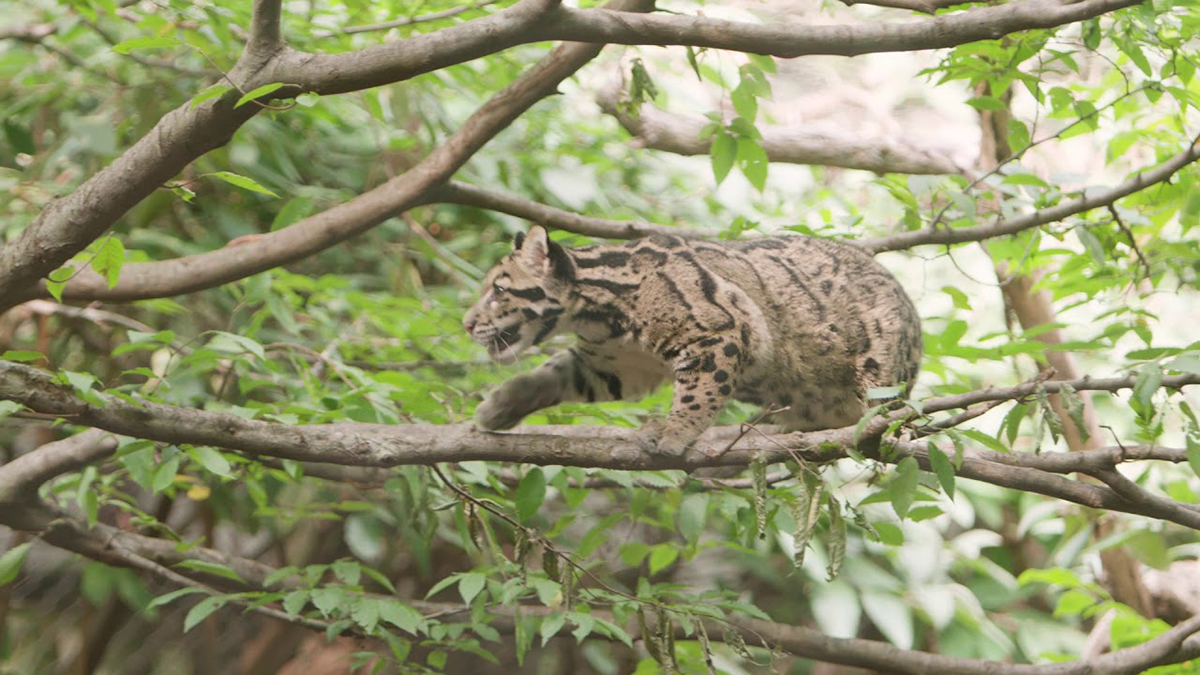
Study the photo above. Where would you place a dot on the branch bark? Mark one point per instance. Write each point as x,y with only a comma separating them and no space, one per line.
681,135
601,447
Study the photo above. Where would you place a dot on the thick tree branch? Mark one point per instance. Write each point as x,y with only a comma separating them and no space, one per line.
265,34
681,135
383,445
455,192
1095,199
20,478
318,232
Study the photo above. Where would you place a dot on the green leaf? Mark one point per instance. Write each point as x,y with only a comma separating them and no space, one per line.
203,609
241,181
347,571
22,355
109,259
212,92
168,598
1193,451
469,585
401,616
661,556
211,460
531,492
214,569
551,624
752,158
294,602
164,475
10,562
1073,404
1148,382
692,514
723,152
365,612
126,46
903,488
943,468
256,93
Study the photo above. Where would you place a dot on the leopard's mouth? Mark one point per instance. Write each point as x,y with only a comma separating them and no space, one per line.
504,346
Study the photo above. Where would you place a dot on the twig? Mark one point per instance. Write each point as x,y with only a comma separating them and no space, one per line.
407,20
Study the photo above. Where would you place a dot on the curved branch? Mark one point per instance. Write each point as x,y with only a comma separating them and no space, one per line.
423,444
1098,198
350,218
465,194
407,20
681,135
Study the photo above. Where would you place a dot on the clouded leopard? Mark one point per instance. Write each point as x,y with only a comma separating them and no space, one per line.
803,324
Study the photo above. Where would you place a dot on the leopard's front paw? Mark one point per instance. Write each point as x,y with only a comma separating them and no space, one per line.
657,438
499,411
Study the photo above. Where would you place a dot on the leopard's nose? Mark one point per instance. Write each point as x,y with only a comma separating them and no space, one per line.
469,325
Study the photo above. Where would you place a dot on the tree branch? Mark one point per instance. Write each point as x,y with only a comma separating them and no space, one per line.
681,135
318,232
1098,198
265,35
465,194
21,478
601,447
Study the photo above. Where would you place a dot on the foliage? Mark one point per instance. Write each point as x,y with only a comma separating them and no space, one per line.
504,562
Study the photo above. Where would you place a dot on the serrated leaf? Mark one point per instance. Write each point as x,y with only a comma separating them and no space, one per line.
531,492
365,612
10,562
203,609
257,92
109,259
401,616
294,602
347,571
126,46
328,599
241,181
722,152
943,468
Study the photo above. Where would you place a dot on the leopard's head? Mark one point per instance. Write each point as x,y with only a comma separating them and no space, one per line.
523,298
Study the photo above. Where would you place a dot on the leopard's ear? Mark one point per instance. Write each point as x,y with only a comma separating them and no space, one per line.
542,257
533,251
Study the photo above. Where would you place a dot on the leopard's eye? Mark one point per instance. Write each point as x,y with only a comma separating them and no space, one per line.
499,290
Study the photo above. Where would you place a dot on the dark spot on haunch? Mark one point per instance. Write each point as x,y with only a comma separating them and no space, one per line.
694,406
708,364
720,376
871,366
709,341
725,389
688,399
731,349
